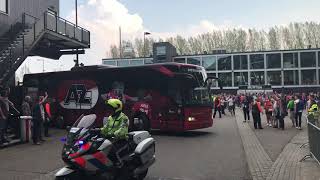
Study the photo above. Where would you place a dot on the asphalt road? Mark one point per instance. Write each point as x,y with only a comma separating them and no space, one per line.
211,154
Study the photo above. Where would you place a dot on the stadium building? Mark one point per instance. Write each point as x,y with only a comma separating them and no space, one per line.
282,69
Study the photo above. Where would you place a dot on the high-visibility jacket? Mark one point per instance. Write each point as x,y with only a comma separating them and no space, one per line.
116,127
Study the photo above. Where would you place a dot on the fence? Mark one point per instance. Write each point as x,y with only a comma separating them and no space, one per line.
314,138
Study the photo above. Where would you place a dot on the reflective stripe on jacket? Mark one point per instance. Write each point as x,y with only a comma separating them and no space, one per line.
117,127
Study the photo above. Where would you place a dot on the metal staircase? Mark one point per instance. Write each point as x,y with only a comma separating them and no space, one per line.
20,39
27,32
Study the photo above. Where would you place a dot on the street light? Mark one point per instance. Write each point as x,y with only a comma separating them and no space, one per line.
144,43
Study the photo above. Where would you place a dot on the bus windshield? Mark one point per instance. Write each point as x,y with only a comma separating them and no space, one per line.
196,96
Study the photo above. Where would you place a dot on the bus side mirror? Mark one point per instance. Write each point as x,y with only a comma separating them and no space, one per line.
209,81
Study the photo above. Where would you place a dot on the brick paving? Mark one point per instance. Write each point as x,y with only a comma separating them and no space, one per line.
258,160
287,166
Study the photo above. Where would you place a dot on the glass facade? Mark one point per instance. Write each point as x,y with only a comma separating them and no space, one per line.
308,59
290,60
240,78
136,62
308,77
257,61
257,78
273,61
4,6
240,62
112,63
194,60
226,79
123,63
224,63
291,77
274,78
279,68
180,60
209,62
148,61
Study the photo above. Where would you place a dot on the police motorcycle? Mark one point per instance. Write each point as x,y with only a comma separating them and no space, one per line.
88,155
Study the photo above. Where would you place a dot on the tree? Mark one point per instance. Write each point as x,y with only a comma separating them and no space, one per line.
273,39
114,50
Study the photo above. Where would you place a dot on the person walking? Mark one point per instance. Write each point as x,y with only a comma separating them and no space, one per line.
281,113
217,107
268,109
48,117
256,110
231,105
246,109
290,107
299,106
38,119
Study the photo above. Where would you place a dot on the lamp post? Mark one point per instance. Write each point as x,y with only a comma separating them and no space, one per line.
144,43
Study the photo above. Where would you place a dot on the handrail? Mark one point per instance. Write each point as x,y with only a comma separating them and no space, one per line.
48,12
312,124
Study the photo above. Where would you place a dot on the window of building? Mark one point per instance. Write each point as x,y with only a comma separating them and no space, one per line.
308,77
226,79
257,61
4,6
240,62
308,59
214,83
290,60
194,60
148,61
180,60
209,62
291,77
136,62
123,63
273,61
112,63
224,62
240,78
274,78
257,78
319,58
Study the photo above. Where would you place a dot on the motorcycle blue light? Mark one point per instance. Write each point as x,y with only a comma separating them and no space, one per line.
80,143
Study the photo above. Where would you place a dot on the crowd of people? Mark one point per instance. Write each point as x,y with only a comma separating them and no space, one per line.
275,106
38,110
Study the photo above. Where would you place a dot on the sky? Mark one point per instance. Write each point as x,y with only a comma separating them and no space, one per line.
165,18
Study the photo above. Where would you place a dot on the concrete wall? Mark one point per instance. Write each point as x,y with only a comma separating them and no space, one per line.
32,7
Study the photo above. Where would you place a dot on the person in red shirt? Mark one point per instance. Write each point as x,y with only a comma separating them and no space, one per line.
256,110
217,107
268,109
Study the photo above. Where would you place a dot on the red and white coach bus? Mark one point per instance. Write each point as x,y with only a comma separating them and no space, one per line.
168,96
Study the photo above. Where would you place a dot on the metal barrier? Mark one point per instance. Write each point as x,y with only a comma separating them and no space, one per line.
314,139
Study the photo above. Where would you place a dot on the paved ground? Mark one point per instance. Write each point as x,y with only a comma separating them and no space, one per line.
209,154
274,140
287,165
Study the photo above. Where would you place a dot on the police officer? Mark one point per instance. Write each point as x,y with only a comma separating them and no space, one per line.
116,127
313,114
117,123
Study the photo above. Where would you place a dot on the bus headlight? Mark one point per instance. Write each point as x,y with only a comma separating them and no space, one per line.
191,119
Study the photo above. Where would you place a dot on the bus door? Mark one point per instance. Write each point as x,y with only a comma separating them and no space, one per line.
173,119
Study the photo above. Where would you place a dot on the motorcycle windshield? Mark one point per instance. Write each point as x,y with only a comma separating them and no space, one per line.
85,121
